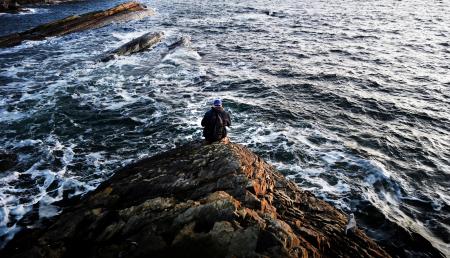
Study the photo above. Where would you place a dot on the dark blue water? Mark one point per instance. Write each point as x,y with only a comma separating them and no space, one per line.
350,99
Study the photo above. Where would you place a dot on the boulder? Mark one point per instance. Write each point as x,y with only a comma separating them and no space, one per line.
121,13
218,200
139,44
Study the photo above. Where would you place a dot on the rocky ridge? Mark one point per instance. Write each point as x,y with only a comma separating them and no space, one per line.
218,200
120,13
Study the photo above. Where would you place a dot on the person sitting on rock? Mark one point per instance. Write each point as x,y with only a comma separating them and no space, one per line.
214,123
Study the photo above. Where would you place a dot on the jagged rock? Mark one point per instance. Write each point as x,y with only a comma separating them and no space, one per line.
123,12
7,161
139,44
218,200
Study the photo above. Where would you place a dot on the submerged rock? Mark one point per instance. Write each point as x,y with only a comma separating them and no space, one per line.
123,12
218,200
139,44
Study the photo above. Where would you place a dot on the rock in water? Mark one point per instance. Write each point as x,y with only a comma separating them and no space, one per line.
136,45
218,200
181,41
123,12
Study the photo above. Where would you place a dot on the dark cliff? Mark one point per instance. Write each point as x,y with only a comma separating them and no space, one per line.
218,200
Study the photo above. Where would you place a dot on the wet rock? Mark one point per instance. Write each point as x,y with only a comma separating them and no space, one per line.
179,42
274,13
139,44
217,200
121,13
173,45
7,161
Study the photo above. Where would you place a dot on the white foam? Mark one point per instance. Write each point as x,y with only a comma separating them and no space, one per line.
46,209
29,11
13,208
11,116
26,11
9,177
20,210
28,142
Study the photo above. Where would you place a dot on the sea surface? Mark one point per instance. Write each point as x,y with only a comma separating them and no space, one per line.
350,99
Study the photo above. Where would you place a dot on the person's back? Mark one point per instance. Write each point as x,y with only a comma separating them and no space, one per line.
214,122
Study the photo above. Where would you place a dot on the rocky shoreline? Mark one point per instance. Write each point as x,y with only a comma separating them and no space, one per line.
218,200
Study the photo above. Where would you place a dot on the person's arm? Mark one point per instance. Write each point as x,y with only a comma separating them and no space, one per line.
204,121
228,119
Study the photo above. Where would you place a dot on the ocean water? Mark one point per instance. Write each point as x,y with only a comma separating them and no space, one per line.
350,99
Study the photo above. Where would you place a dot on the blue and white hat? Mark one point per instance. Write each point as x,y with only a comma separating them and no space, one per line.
217,103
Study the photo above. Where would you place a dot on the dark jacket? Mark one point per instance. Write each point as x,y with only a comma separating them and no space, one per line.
212,130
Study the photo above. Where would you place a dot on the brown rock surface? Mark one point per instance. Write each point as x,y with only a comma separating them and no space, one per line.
123,12
218,200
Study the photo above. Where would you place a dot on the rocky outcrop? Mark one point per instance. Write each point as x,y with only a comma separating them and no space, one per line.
123,12
217,200
145,42
139,44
